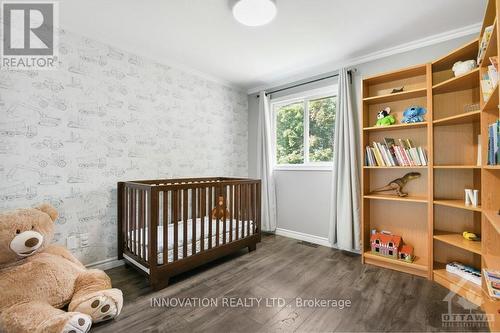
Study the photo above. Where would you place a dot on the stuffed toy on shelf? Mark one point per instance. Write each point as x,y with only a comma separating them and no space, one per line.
471,236
414,114
38,279
385,118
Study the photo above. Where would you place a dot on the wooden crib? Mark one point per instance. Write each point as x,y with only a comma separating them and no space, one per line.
193,220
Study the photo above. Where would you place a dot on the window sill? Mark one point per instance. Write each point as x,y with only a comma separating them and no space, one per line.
303,168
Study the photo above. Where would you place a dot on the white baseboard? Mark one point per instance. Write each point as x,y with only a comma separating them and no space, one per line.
303,237
106,264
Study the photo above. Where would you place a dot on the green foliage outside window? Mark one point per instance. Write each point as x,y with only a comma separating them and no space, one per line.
290,134
290,131
321,129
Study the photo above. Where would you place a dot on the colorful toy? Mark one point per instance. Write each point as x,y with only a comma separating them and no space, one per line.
414,114
391,246
406,253
385,118
466,272
471,236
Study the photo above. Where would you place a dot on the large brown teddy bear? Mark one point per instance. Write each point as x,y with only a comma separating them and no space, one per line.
37,279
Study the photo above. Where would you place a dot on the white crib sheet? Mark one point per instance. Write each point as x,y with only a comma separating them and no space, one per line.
240,227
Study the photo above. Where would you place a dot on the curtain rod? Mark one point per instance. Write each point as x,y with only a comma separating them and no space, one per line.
309,82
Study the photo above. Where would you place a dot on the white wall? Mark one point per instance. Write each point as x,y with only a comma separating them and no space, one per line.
303,196
67,136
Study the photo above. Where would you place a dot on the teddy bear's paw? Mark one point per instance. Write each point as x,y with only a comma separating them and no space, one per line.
102,306
78,323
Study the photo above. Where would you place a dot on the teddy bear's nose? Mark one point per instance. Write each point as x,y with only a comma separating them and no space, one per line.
31,242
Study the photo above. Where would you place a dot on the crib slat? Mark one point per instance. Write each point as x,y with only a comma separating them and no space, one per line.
249,208
175,216
143,225
193,220
185,222
217,218
231,210
237,210
128,198
209,213
254,207
139,221
245,211
136,223
202,218
224,227
165,227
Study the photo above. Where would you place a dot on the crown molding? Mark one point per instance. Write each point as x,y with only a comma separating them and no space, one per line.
306,73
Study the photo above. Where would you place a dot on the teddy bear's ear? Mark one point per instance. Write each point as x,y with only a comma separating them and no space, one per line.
387,109
49,210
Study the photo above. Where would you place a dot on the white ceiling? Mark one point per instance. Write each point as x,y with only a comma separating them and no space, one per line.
202,34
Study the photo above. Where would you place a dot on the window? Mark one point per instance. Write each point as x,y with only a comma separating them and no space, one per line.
304,128
390,252
391,244
377,241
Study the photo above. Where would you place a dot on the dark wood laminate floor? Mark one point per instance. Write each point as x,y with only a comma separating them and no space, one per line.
382,300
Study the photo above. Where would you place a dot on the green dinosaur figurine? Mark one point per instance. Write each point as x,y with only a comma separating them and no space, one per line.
398,184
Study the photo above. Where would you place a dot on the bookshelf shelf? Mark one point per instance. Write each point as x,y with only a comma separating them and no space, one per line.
464,288
458,241
395,127
456,203
405,73
396,96
463,82
491,167
417,267
468,51
376,196
457,167
464,118
396,167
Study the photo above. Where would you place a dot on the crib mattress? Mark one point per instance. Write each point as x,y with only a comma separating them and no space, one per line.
238,228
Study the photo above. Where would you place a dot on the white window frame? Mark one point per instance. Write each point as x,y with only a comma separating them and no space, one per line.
329,91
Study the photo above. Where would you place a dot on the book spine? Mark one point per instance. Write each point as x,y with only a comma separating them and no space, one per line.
491,158
378,155
497,152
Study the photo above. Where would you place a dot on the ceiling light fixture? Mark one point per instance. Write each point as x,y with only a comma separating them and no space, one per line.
254,13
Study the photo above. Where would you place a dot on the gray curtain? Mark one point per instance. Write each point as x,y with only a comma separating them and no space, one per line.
265,165
345,209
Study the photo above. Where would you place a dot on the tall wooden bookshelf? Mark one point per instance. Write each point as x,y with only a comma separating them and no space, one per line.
434,215
386,212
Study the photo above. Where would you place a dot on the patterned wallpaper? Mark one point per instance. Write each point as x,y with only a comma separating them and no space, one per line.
67,136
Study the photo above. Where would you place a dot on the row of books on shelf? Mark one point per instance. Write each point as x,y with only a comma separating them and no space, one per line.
489,80
389,154
493,143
